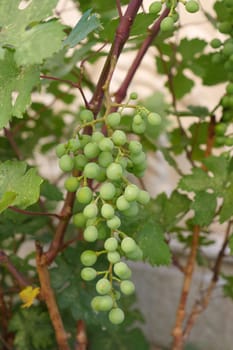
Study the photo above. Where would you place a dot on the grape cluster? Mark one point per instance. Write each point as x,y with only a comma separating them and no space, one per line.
168,23
99,164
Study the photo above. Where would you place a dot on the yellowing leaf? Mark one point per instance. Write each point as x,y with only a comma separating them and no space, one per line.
28,295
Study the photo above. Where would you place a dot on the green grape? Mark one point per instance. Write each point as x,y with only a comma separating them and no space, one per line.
132,211
131,192
86,115
91,150
107,191
175,16
90,211
154,119
91,170
101,176
123,161
88,273
60,150
116,316
102,303
167,24
119,138
137,119
71,184
114,223
122,203
114,171
217,58
113,119
107,211
229,88
143,197
80,161
97,136
228,49
74,145
139,128
229,141
88,258
103,286
135,147
155,7
136,255
220,129
128,245
90,234
111,244
215,43
79,220
105,159
122,270
127,287
192,6
106,144
225,27
84,195
66,163
138,158
84,140
133,96
113,257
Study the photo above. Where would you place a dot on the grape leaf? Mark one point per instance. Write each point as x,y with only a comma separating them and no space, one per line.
151,240
25,184
87,24
231,244
227,207
6,200
24,31
197,181
182,84
204,206
18,81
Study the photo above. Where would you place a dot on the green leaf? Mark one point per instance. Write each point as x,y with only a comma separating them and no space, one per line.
188,48
199,111
51,191
87,24
181,84
204,206
151,240
197,181
231,244
6,200
227,207
24,31
25,184
16,84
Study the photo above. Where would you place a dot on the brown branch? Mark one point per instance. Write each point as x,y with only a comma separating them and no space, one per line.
178,328
81,336
48,295
153,32
118,4
211,136
34,213
5,261
9,135
122,34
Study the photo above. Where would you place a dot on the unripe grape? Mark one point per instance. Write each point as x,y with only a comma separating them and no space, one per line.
103,286
71,184
60,150
84,140
101,176
113,257
215,43
133,96
229,88
138,158
137,119
114,223
114,171
155,7
97,136
90,234
167,24
220,129
91,170
102,303
86,115
88,273
154,119
116,316
133,209
128,245
79,220
136,255
91,150
113,119
192,6
105,159
143,197
119,138
135,147
131,192
122,270
225,27
80,161
107,211
122,203
106,144
66,163
88,258
139,128
111,244
107,191
228,48
84,195
74,145
127,287
90,211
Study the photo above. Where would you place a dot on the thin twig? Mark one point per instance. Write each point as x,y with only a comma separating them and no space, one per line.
81,336
20,279
34,213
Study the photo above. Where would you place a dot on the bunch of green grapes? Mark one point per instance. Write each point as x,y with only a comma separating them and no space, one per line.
168,23
100,164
